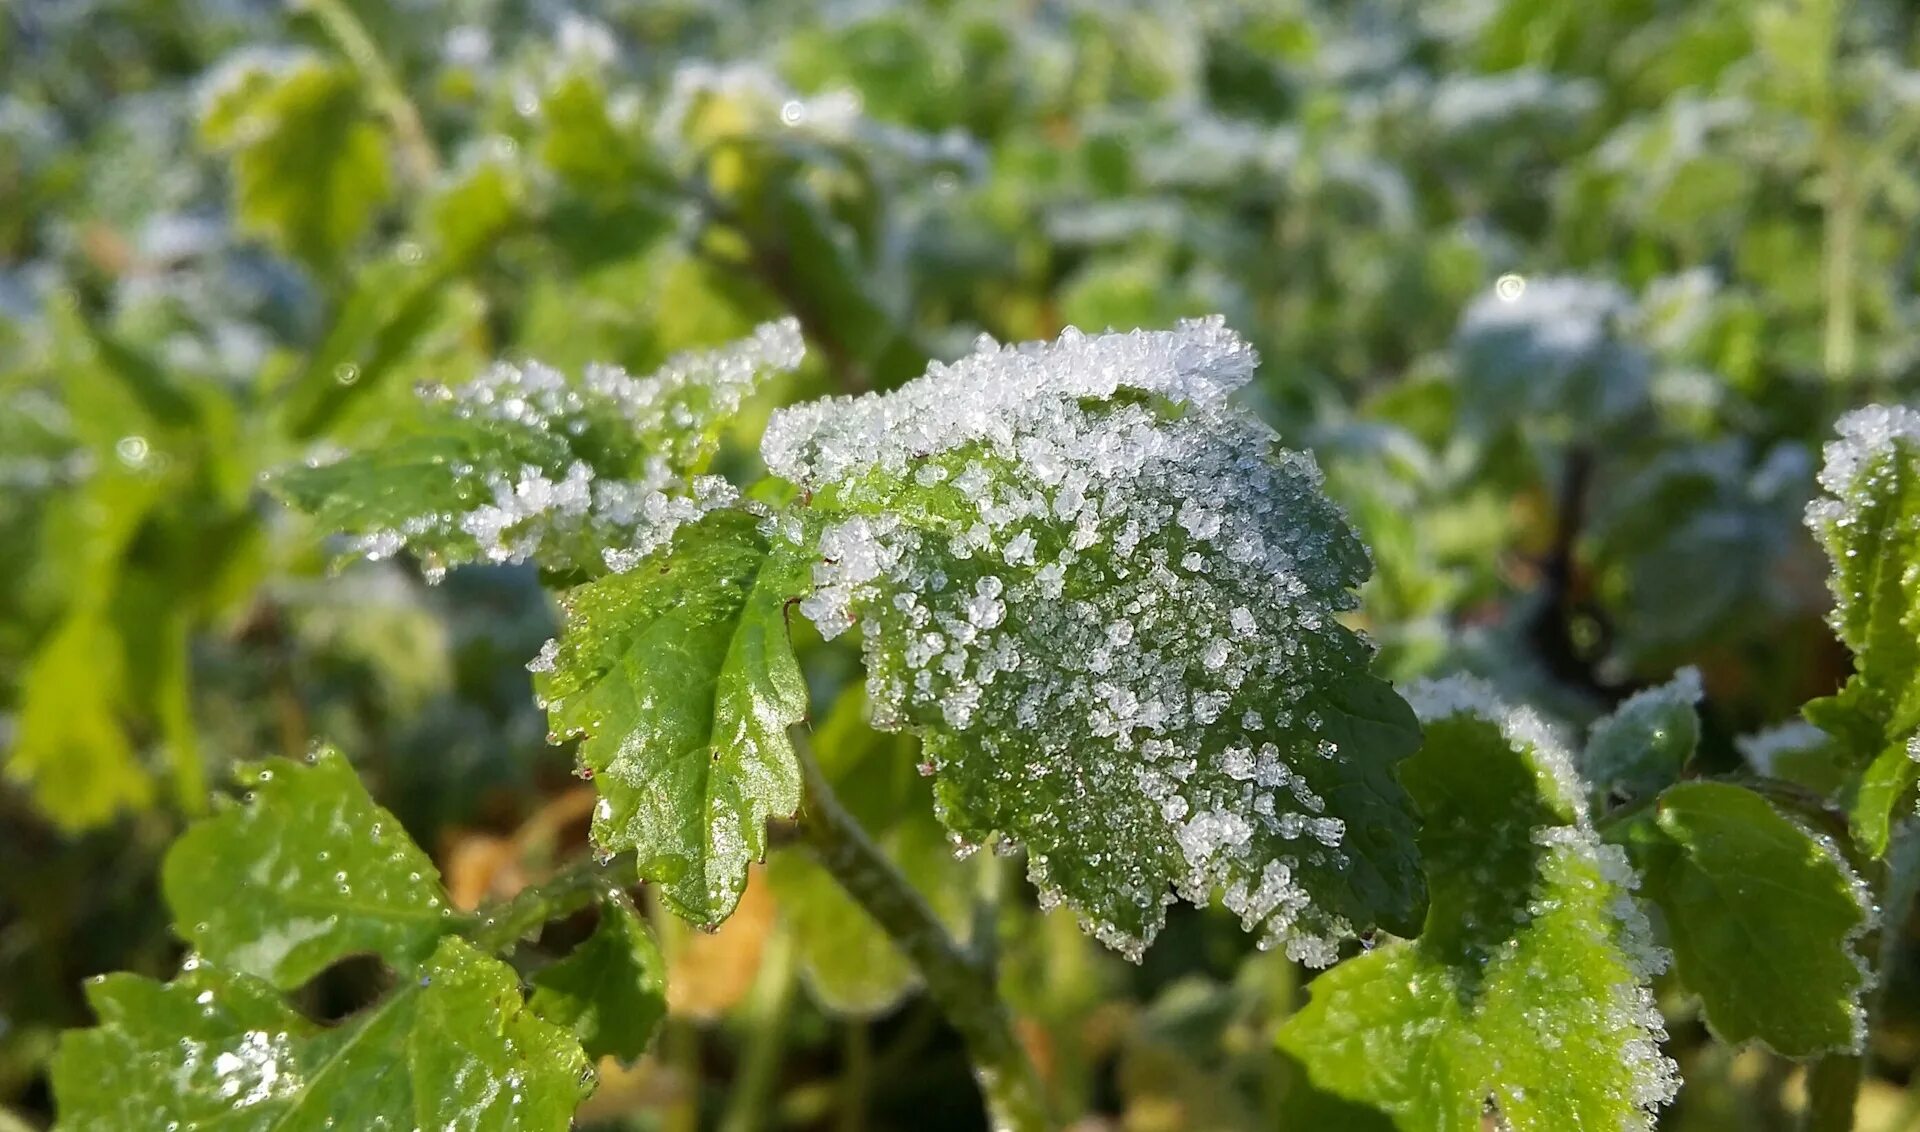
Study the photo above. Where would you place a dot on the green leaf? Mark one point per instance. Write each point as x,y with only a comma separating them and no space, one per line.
679,677
1641,747
611,991
306,873
1764,918
1548,348
1527,988
1107,602
456,1048
522,464
72,751
1870,527
849,963
309,165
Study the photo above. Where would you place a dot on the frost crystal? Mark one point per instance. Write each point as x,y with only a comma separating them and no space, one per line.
1863,469
522,463
1108,598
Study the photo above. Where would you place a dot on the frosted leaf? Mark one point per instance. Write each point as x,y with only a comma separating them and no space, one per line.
1031,609
1527,989
522,463
1643,745
1549,347
1870,528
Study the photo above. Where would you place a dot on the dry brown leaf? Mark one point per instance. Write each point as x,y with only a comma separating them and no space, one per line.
709,973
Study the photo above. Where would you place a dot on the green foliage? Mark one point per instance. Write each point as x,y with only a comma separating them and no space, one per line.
1526,989
306,873
679,677
1561,296
1641,747
611,990
1870,527
521,464
1116,687
455,1047
309,165
1764,919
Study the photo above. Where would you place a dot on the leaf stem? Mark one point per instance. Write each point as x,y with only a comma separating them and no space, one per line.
766,1021
957,980
496,929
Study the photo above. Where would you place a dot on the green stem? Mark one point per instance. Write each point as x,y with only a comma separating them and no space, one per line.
409,131
498,928
856,1075
1833,1090
957,981
766,1021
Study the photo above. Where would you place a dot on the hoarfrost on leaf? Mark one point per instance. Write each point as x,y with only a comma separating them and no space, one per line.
1869,525
1108,601
521,463
1527,989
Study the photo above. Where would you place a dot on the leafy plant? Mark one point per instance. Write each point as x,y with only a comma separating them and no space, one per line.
1390,683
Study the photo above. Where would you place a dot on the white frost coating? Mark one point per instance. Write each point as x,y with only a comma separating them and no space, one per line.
1522,726
1864,435
530,512
1567,317
1763,749
1578,863
999,393
1084,596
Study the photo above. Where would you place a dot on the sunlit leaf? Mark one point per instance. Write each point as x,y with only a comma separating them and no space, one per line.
1527,988
307,872
1107,601
680,679
216,1048
611,990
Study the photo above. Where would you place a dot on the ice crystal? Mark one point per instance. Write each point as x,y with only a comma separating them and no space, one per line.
1109,600
522,463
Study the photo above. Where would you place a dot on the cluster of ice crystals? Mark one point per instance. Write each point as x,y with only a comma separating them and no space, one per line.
1109,600
633,440
1524,727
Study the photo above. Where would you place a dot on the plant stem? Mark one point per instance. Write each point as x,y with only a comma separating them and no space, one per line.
498,928
957,981
766,1022
856,1076
409,131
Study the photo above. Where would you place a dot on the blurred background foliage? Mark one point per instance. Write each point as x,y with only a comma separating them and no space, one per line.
1562,293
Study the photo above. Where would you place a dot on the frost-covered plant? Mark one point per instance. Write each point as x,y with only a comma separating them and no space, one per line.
1114,611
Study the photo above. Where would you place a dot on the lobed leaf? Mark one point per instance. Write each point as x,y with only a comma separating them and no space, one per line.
308,872
1527,989
1764,918
679,678
456,1048
523,464
610,991
1108,605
